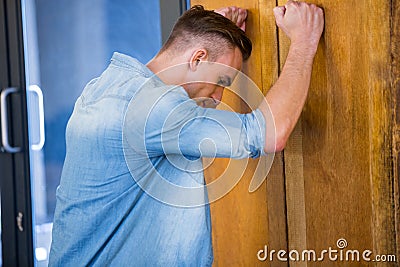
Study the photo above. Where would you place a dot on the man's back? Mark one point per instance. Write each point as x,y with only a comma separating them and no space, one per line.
102,216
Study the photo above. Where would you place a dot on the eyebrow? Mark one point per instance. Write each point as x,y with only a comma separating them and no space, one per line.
225,80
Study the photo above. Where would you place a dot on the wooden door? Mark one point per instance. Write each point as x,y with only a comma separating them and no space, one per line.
338,163
338,176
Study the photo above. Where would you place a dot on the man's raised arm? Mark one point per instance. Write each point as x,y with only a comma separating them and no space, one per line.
303,23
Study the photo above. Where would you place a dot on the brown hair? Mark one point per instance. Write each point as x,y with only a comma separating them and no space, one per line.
212,30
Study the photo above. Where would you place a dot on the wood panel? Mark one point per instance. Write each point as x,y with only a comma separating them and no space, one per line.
395,79
344,138
240,220
339,174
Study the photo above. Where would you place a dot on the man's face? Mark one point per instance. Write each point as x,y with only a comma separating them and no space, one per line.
213,77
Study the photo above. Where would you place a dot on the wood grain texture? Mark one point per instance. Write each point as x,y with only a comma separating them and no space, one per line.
345,129
295,193
240,220
276,190
382,182
395,79
343,180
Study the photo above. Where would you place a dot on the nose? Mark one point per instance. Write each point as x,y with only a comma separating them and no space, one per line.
217,95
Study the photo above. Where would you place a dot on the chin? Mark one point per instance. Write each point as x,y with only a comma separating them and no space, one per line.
208,103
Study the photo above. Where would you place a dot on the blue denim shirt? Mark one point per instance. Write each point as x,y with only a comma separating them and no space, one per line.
129,138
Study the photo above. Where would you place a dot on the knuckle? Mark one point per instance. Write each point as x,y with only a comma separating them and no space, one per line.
290,4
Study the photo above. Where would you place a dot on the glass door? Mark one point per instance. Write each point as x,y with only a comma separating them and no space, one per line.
16,205
68,44
58,47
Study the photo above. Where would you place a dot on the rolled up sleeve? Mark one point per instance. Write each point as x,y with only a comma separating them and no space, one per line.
177,125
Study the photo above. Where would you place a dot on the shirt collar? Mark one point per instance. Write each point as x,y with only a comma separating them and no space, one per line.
125,61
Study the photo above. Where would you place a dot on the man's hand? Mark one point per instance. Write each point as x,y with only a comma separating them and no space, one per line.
303,23
235,14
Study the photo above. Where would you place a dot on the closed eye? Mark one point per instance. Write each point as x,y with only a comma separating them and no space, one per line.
224,81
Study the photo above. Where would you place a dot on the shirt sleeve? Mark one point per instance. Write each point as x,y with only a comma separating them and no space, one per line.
175,124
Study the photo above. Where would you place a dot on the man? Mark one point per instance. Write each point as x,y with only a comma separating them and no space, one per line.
131,192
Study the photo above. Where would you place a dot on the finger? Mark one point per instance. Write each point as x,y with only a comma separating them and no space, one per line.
243,12
291,3
242,15
224,11
279,12
221,10
235,13
243,27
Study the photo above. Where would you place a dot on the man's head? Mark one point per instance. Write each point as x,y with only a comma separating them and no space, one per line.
209,29
204,38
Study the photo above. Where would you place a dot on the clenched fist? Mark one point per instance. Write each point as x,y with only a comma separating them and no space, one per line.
235,14
303,23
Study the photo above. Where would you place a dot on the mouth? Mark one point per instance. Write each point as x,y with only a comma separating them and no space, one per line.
208,102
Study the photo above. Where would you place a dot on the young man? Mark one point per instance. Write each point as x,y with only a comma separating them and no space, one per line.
132,189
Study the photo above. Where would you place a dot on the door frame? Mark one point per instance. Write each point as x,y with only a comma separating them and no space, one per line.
16,205
169,11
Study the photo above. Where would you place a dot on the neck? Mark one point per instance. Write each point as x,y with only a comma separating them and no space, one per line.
171,70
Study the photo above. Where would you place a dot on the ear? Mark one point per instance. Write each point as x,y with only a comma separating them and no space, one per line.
197,56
